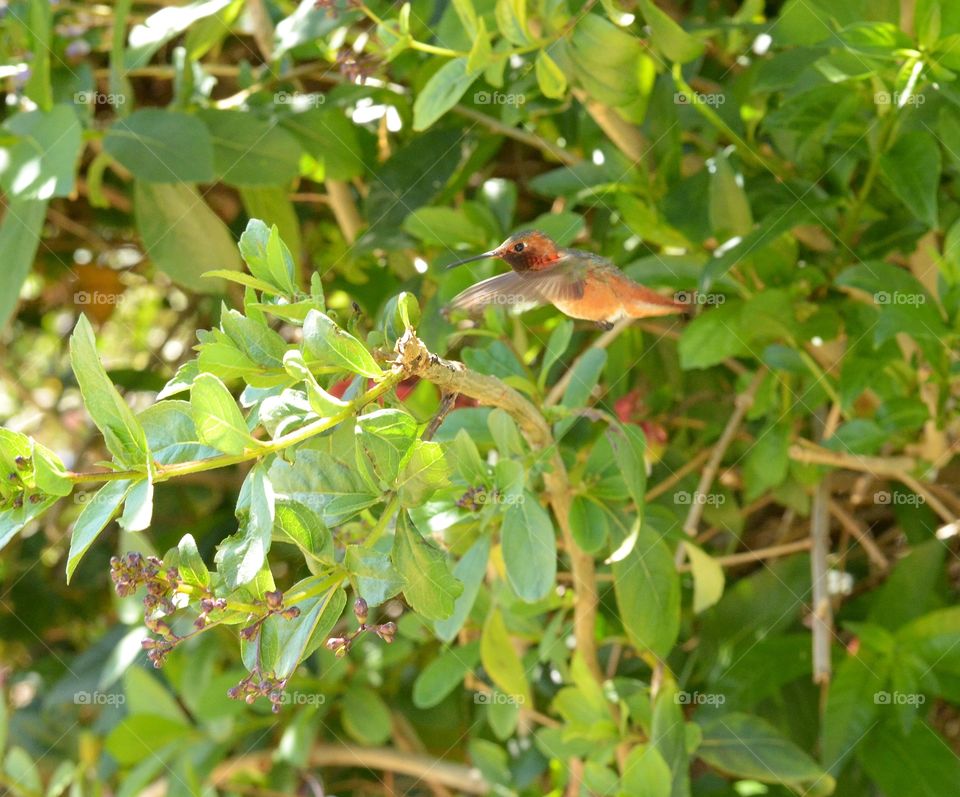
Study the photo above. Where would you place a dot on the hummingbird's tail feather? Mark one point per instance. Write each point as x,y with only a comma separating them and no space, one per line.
643,302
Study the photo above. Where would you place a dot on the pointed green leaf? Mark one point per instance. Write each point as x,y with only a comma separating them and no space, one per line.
121,431
428,585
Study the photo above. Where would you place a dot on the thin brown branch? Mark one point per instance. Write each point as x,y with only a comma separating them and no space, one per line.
743,403
455,776
565,157
860,533
625,136
344,209
812,454
822,618
674,478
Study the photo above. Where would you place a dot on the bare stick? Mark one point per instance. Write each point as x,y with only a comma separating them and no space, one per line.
743,403
456,776
822,618
344,209
860,533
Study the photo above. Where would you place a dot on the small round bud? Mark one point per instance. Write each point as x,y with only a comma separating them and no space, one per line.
387,632
361,610
274,600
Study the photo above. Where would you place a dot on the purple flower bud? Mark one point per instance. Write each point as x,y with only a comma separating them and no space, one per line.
361,610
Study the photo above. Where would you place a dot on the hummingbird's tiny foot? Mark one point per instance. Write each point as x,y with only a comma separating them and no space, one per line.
605,325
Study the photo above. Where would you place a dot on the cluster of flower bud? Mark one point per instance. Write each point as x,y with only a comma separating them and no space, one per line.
16,491
340,645
259,685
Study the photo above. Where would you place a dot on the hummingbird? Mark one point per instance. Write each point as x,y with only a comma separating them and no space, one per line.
579,284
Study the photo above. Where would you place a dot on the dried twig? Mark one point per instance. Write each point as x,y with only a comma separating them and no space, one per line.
860,533
743,403
344,209
456,776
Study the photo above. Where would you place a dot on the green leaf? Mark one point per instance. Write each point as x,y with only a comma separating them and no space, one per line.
469,571
444,674
729,207
384,440
550,77
588,524
163,25
21,773
121,430
428,585
162,146
365,716
190,564
470,466
98,510
183,236
645,773
39,28
424,470
255,339
304,528
767,461
919,763
140,736
629,445
557,344
852,705
712,337
296,639
750,747
329,137
648,594
771,228
501,661
708,578
480,53
529,548
219,421
42,163
511,18
668,736
20,234
328,344
911,169
241,556
375,576
268,257
248,151
672,40
442,92
138,509
272,204
445,227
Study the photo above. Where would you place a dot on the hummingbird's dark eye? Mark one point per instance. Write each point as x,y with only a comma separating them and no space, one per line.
518,247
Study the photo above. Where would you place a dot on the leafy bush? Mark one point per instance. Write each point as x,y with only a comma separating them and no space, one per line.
371,547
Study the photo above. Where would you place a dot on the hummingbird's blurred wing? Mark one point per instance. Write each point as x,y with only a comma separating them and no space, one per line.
519,288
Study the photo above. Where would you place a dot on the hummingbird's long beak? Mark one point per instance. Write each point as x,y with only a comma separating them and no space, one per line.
484,256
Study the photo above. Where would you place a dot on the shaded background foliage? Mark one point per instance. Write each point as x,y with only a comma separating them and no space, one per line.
793,163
